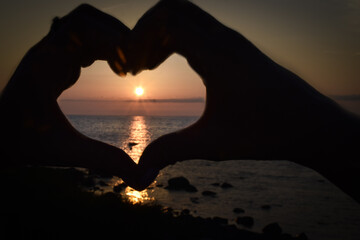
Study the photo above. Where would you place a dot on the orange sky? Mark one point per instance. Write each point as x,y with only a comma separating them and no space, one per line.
318,40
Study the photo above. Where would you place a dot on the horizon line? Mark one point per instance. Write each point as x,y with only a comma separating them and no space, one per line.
146,100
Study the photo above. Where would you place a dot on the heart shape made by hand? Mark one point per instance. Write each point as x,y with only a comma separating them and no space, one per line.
255,109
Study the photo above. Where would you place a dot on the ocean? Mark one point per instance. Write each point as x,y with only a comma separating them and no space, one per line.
297,198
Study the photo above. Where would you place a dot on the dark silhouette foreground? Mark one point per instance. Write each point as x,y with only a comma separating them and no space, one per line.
64,211
34,130
255,109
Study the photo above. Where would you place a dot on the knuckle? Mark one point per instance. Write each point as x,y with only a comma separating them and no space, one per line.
84,8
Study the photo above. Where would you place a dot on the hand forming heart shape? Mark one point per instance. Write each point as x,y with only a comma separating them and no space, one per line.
255,109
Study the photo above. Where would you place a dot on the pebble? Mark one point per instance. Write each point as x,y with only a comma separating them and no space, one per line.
132,144
238,210
185,211
266,207
226,185
215,184
180,183
209,193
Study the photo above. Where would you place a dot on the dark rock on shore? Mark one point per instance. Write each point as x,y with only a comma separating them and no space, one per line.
238,210
194,200
245,221
266,207
180,184
209,193
185,211
132,144
226,185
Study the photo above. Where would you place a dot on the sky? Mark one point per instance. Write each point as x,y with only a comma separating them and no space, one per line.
319,40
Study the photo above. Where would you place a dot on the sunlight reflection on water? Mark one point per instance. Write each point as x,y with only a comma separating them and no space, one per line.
139,137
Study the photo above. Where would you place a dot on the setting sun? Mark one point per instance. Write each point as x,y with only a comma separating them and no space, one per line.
139,91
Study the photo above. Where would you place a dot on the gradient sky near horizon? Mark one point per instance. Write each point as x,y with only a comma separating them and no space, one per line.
318,40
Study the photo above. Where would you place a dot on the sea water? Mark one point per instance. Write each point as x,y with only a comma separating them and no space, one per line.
298,198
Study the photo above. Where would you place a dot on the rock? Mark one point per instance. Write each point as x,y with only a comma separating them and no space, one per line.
131,144
215,184
220,220
185,211
159,185
180,183
238,210
226,185
272,230
245,221
168,209
266,207
209,193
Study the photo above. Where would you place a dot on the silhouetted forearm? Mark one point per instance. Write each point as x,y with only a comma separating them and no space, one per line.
34,131
255,109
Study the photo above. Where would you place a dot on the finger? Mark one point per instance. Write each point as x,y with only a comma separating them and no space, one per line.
154,27
189,143
95,34
74,149
119,62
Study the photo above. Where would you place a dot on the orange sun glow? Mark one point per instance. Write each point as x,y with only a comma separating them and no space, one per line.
139,91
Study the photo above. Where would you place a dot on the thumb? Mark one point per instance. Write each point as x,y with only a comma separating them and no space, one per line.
178,146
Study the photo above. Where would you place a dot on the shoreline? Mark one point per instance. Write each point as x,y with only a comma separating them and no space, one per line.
50,203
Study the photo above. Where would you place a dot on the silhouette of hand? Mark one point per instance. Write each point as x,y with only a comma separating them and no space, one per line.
255,109
33,127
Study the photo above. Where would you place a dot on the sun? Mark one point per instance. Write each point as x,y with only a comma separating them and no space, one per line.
139,91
